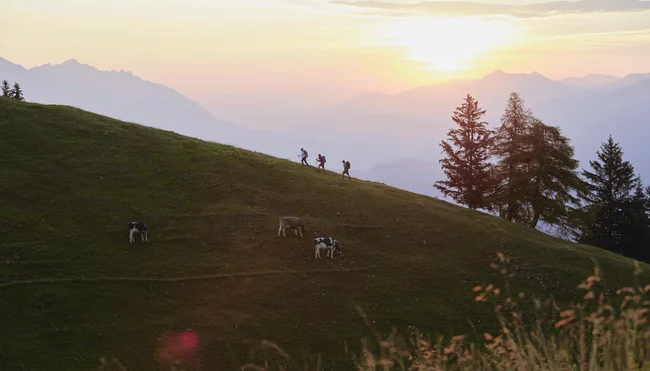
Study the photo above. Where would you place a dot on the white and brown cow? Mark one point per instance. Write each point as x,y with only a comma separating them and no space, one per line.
327,243
291,222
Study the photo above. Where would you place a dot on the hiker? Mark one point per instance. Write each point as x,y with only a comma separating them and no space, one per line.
321,161
303,156
346,168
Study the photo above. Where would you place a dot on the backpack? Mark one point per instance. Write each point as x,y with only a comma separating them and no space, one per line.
306,154
324,160
347,165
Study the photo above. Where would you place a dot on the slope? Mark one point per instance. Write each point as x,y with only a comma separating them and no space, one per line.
125,96
74,290
118,94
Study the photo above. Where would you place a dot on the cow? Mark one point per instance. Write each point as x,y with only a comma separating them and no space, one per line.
291,222
137,227
328,243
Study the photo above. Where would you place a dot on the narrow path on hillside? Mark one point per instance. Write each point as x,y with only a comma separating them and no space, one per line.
173,279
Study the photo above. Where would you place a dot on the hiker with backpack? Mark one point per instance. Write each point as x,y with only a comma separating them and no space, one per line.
303,156
346,169
321,161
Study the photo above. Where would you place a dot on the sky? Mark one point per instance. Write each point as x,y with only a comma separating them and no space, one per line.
203,47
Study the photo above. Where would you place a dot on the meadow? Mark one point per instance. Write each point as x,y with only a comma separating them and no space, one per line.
74,291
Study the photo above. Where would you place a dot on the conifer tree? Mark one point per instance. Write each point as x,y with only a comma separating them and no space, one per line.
553,183
6,90
467,152
612,185
509,148
494,199
636,228
17,93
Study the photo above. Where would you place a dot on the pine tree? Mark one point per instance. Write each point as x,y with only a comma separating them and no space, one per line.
551,171
6,90
611,185
636,228
17,93
509,148
467,152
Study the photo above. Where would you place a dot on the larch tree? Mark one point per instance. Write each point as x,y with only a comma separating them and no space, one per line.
553,183
509,148
467,152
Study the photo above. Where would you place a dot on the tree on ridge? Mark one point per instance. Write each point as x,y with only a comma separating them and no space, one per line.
467,153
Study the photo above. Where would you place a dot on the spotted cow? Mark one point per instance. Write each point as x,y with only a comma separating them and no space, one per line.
327,243
137,227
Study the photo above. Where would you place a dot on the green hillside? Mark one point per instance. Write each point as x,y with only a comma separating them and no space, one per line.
72,288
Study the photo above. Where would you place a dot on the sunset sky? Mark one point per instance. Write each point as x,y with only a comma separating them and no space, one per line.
266,45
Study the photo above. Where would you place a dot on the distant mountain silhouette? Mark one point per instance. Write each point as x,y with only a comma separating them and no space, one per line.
118,94
590,81
413,175
121,95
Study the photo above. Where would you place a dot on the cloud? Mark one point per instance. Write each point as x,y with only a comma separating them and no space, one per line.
467,8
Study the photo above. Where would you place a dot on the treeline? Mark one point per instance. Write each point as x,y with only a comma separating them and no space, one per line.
525,171
15,93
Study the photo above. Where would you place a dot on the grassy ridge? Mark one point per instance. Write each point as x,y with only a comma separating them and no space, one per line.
71,180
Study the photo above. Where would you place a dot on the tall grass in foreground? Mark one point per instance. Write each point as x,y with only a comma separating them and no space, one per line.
606,331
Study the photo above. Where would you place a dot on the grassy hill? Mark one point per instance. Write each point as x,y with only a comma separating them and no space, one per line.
72,288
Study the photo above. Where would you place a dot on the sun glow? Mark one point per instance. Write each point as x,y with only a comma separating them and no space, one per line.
446,44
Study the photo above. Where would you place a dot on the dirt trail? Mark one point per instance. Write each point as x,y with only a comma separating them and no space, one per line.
174,279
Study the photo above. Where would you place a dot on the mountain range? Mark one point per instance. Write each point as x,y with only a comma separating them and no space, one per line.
390,138
124,96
